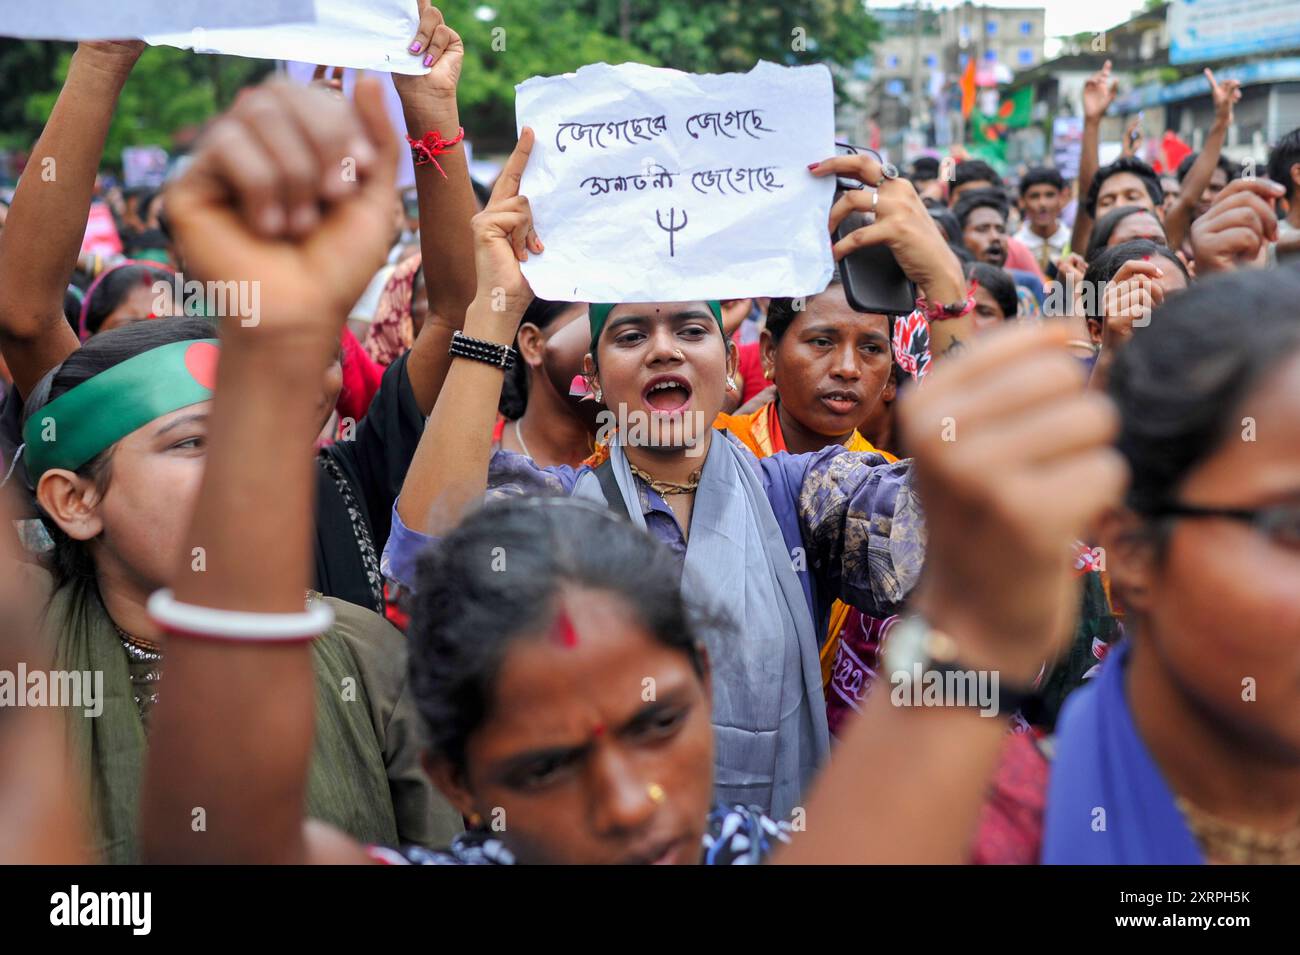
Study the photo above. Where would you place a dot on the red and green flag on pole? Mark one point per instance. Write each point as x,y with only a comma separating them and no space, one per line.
986,135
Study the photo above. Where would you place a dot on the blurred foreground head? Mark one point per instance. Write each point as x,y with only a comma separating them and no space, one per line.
554,662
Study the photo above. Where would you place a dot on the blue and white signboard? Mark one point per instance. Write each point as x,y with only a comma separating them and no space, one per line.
1214,29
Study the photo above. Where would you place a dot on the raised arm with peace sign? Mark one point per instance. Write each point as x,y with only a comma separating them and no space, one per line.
503,237
1198,190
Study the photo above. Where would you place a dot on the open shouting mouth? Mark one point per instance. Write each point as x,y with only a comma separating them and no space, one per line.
667,394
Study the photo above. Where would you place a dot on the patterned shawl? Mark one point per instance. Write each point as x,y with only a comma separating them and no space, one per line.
761,433
392,332
769,719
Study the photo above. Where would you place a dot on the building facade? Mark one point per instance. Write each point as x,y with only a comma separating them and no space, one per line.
911,81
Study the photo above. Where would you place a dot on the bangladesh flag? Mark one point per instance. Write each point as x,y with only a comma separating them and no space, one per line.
986,139
987,134
1015,110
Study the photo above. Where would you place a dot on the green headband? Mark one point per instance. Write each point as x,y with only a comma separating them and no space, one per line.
598,314
83,421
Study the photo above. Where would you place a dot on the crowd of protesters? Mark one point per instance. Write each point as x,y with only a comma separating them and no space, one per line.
366,579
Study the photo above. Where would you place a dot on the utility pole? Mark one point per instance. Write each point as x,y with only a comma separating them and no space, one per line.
914,120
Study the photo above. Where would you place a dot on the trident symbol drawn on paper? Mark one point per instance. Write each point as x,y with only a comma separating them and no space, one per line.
671,228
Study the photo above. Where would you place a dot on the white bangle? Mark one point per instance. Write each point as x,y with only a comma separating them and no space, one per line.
190,620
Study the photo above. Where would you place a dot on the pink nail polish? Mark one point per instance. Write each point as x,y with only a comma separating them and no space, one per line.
428,60
813,165
578,386
415,47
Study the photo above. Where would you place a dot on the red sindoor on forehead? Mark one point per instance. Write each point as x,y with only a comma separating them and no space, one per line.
564,632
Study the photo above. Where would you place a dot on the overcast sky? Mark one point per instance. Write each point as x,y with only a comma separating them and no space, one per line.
1064,17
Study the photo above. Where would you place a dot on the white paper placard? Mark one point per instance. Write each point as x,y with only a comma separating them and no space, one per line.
303,72
651,185
363,34
125,19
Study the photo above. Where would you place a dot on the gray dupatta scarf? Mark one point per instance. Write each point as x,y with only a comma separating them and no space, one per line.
769,716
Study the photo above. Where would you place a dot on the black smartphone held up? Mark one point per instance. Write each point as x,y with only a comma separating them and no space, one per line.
872,279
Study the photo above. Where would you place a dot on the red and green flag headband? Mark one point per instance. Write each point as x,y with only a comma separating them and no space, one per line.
99,412
598,314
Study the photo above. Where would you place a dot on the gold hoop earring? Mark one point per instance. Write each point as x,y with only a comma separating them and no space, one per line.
656,793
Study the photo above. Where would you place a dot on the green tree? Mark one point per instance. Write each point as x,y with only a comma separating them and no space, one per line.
169,91
523,38
506,42
26,67
717,36
526,38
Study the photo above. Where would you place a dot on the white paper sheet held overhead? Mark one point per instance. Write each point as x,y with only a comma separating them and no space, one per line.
652,185
363,34
124,19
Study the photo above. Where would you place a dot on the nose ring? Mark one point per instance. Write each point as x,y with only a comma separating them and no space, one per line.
677,353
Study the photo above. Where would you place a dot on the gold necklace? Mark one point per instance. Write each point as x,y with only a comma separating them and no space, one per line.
1237,844
664,488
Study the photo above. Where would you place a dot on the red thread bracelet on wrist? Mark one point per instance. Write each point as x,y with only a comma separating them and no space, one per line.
424,150
937,312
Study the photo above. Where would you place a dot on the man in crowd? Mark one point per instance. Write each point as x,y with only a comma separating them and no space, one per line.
982,215
1224,172
1284,168
1128,181
971,175
1043,194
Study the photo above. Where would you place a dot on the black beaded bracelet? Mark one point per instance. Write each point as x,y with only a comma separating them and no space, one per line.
490,353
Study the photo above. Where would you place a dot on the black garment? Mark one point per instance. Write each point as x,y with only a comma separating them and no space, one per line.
1096,630
11,422
11,438
350,534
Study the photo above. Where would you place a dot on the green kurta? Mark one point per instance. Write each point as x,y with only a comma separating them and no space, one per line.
365,776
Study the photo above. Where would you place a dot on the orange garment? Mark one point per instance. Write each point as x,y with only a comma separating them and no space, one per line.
761,433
